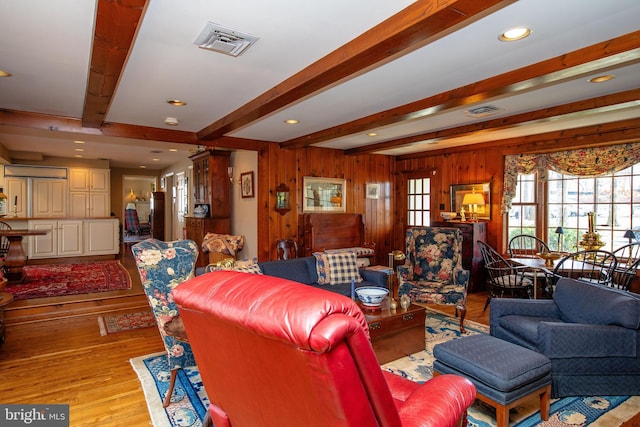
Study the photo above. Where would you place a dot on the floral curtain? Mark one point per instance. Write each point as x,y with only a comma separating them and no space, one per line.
583,162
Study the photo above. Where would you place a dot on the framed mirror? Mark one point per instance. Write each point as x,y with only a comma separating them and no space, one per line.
282,199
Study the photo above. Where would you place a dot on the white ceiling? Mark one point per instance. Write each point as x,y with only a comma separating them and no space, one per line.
46,45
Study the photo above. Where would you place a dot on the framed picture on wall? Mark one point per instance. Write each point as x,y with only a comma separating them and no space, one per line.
246,185
373,191
474,197
323,194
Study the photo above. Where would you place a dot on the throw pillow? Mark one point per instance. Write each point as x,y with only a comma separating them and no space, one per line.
343,267
248,268
322,267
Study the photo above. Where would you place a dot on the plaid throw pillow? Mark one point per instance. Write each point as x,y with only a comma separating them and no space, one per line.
343,267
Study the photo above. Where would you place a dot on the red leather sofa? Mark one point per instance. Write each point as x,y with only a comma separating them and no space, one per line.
274,353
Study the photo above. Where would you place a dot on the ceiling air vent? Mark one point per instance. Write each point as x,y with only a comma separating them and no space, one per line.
483,111
221,39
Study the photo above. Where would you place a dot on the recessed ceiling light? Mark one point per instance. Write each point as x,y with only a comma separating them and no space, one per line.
171,121
515,33
155,159
173,149
78,149
291,121
143,167
78,142
79,156
4,73
176,102
372,134
602,79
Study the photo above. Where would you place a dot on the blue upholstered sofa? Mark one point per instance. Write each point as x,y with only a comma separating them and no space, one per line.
590,332
304,270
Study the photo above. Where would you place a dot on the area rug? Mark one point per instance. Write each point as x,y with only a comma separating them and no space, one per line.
53,280
188,405
125,322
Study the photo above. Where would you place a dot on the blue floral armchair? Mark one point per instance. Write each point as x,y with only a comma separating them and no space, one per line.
162,267
433,273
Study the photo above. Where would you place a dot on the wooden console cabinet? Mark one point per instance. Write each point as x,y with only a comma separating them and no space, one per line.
471,255
211,187
197,228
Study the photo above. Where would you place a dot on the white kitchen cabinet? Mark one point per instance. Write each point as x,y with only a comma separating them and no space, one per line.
89,195
64,238
89,204
16,190
81,179
49,198
101,236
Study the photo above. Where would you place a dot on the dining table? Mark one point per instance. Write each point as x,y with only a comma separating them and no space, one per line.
16,259
536,265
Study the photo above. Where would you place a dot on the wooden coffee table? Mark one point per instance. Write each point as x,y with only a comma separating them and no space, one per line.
395,334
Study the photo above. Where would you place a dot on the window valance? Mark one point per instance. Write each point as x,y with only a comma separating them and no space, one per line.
582,162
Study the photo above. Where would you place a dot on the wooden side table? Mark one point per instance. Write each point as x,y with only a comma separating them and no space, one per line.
395,333
5,300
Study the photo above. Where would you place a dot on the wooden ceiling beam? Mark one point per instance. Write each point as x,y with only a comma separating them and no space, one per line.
116,26
586,106
417,25
74,125
601,56
588,136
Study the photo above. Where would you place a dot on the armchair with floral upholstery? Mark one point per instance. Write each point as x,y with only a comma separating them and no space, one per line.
163,266
433,273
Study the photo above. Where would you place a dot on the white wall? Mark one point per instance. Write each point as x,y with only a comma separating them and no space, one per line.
244,211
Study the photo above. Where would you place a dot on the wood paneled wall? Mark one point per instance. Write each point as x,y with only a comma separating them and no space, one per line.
446,169
385,218
290,166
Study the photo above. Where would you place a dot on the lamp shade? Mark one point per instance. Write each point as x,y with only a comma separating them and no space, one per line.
629,234
473,199
131,206
559,230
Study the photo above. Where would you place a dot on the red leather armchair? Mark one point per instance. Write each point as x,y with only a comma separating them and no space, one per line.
272,352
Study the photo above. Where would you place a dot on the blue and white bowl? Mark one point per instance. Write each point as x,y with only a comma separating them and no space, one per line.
371,296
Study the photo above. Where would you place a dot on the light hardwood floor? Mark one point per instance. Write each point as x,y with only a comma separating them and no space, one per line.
65,360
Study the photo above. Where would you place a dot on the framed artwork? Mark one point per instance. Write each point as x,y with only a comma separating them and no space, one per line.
246,184
323,194
458,193
373,191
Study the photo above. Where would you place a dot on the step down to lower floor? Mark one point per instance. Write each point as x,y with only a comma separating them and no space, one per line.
18,314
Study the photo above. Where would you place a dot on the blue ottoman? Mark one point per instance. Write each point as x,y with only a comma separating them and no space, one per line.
504,374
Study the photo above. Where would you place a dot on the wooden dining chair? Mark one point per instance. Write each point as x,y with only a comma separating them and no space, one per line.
4,242
526,246
4,246
593,266
628,257
506,277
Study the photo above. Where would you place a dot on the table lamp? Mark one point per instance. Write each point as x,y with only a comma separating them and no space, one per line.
629,234
560,233
473,200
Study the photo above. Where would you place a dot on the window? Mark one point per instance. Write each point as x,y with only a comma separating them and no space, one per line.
614,200
524,208
419,202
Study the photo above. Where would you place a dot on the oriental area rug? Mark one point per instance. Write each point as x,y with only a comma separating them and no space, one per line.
189,404
111,324
53,280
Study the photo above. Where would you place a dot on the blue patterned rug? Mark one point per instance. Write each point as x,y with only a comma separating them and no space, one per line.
189,403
